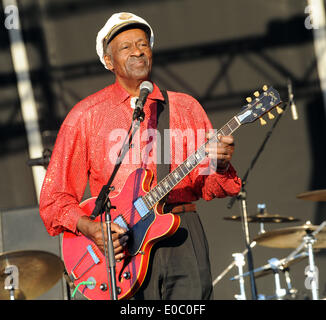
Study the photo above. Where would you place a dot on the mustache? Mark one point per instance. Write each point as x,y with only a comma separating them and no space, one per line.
134,59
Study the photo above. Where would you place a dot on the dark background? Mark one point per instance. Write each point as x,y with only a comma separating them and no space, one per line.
218,51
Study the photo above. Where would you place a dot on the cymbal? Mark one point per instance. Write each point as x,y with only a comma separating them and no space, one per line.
38,271
291,237
316,195
264,218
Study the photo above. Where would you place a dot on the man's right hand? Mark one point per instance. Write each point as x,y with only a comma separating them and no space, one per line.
92,230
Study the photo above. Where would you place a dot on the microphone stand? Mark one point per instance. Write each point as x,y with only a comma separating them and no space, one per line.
242,197
103,202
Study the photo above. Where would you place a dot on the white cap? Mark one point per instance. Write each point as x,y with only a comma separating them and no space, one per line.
113,25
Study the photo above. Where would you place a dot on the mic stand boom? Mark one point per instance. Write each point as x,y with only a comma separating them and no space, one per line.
242,196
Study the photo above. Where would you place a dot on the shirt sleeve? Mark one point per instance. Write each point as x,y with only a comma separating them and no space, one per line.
65,181
207,183
217,185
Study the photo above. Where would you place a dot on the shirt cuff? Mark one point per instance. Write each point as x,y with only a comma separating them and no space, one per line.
68,220
223,170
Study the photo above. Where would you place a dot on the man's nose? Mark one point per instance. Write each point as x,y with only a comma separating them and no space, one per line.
136,51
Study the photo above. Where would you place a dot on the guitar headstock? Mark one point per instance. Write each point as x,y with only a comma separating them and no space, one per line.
259,105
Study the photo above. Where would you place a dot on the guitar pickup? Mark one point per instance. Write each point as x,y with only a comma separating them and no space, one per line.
121,222
141,207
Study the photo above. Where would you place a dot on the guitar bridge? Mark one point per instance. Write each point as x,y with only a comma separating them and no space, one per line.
88,260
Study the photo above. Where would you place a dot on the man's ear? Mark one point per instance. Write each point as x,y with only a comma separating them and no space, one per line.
108,62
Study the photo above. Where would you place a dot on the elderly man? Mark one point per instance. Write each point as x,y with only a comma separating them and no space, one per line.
179,267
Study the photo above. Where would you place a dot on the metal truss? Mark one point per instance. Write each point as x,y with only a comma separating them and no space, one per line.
254,51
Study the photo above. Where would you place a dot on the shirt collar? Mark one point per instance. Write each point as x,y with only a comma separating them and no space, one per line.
122,95
156,93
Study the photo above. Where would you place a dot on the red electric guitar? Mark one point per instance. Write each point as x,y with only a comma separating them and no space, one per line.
140,211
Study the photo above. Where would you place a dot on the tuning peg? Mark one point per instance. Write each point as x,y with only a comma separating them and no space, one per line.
279,110
265,87
262,121
270,115
248,99
256,94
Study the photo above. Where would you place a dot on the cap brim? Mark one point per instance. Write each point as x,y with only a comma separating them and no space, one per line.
125,26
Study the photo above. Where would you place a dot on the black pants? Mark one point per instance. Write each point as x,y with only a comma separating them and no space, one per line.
179,265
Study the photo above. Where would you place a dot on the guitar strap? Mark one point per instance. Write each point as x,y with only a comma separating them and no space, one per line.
163,122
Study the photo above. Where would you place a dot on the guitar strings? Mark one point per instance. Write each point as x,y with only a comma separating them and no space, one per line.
127,214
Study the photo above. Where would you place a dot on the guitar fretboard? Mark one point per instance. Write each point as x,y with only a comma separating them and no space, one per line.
179,173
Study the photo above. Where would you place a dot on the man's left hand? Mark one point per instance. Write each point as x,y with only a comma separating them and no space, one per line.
221,151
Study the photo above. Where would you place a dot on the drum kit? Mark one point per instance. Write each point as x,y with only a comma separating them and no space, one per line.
304,239
27,274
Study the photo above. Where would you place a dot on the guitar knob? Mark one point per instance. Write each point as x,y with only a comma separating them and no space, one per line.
248,99
256,94
118,290
265,87
126,275
103,287
279,110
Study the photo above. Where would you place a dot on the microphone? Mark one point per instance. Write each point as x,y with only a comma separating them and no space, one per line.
146,87
292,104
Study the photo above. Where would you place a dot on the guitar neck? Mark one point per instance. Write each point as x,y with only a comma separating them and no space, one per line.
179,173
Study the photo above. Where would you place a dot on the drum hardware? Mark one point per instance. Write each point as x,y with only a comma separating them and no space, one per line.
240,262
309,242
28,274
231,265
307,236
284,265
274,266
261,217
312,273
261,207
292,291
279,292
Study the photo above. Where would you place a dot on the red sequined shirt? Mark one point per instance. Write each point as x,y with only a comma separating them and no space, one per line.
91,136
